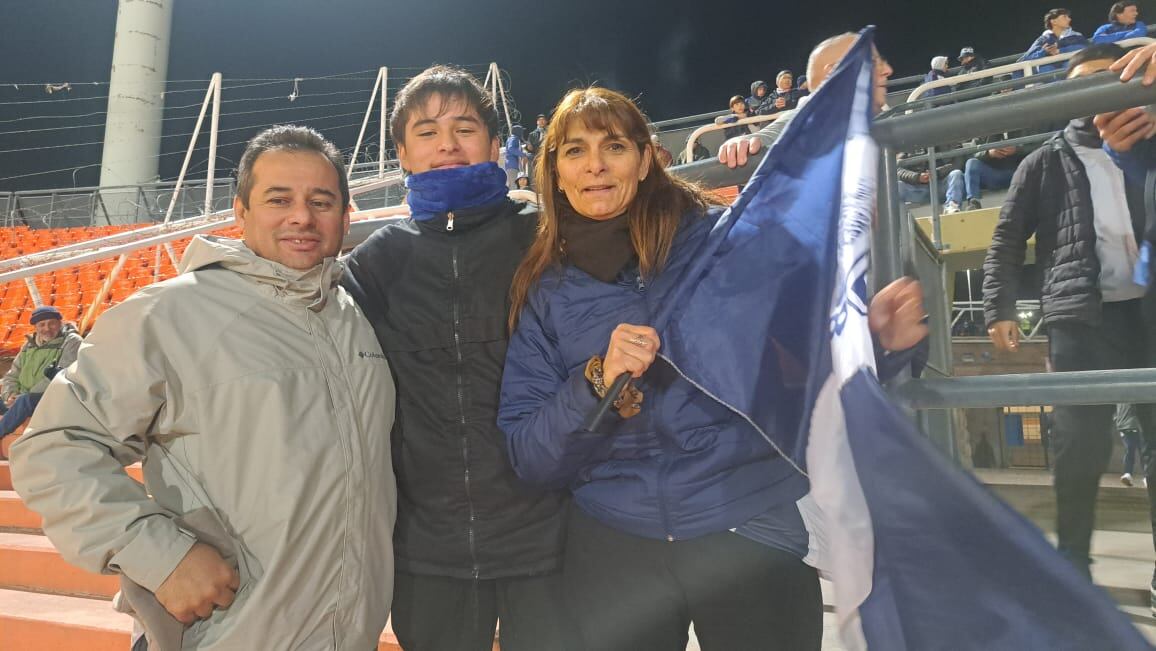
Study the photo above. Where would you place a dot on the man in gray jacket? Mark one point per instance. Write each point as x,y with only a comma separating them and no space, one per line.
257,396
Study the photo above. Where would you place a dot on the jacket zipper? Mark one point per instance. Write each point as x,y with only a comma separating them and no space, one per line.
462,403
450,221
640,285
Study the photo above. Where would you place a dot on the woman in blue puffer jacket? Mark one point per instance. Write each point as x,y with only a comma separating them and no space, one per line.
682,511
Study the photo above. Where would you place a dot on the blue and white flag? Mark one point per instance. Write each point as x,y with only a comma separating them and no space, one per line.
772,322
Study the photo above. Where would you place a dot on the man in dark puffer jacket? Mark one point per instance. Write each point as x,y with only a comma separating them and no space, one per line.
473,544
1087,219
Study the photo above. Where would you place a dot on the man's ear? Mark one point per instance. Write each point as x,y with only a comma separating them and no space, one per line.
401,156
495,149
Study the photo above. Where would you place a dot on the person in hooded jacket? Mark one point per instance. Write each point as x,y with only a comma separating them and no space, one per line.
682,512
759,103
1123,23
474,543
516,156
938,71
784,97
256,396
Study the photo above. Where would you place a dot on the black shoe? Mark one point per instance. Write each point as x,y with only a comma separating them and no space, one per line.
973,204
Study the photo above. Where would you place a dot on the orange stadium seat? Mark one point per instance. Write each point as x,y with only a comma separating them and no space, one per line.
73,290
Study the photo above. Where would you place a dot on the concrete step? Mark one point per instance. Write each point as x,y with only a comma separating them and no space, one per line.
43,622
39,622
14,515
30,562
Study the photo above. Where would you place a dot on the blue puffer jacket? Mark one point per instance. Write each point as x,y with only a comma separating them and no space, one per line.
682,468
1112,32
1069,41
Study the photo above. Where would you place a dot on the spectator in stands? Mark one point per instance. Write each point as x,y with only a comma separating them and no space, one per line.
971,63
822,62
915,184
1058,38
535,137
665,158
1087,217
1128,425
436,287
991,169
759,103
51,347
784,97
699,152
801,88
738,112
938,71
253,390
1123,23
522,182
516,157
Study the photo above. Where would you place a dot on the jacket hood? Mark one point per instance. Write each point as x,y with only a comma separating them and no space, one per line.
309,288
755,87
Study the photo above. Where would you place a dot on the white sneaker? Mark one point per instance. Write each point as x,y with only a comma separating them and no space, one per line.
950,208
1126,479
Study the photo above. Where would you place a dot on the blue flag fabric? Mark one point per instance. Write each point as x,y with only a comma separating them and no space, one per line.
771,320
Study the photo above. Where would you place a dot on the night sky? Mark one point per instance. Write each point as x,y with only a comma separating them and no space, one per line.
677,57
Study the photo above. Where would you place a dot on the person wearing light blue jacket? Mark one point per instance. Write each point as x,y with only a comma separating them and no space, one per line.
1122,24
1058,38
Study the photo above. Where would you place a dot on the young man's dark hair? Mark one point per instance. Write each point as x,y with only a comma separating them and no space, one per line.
1095,52
1119,8
452,84
1054,14
292,138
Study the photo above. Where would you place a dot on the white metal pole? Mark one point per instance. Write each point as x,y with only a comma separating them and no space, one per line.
381,126
30,283
212,173
189,152
364,124
505,102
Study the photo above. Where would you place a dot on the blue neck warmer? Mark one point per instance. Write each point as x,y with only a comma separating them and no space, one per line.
457,188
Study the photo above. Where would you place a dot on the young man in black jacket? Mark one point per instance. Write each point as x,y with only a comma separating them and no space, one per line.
473,544
1087,218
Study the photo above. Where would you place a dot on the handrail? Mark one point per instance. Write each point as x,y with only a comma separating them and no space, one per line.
964,94
1053,103
1022,141
1056,388
1025,66
662,124
1007,58
693,137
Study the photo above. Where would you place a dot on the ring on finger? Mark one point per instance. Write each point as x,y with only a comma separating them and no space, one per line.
640,340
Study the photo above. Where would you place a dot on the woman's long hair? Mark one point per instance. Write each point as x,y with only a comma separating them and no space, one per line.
654,215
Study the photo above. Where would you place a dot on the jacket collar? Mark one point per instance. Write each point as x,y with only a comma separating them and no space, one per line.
465,219
438,192
310,289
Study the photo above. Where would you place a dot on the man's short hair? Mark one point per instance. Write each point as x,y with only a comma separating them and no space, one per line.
1095,52
1054,14
451,84
737,99
1119,8
291,138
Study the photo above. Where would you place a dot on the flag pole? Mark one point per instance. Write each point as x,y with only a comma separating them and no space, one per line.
594,418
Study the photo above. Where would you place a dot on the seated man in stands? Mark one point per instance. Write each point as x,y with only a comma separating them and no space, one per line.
784,97
822,62
1123,23
258,398
51,347
1087,218
915,184
991,169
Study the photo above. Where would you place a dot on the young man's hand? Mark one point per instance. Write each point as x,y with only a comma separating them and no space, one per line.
1132,62
1005,335
1121,130
734,152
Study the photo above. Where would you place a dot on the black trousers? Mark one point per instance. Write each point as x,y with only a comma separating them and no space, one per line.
1082,436
435,613
638,594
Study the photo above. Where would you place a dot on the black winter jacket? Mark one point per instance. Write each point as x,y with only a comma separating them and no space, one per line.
1050,197
438,300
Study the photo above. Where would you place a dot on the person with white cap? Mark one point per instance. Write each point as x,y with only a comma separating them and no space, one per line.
49,348
938,71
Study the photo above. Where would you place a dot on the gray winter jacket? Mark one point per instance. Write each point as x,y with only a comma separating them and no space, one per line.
261,404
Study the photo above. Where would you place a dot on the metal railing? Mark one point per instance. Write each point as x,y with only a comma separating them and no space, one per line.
998,61
707,128
1027,68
